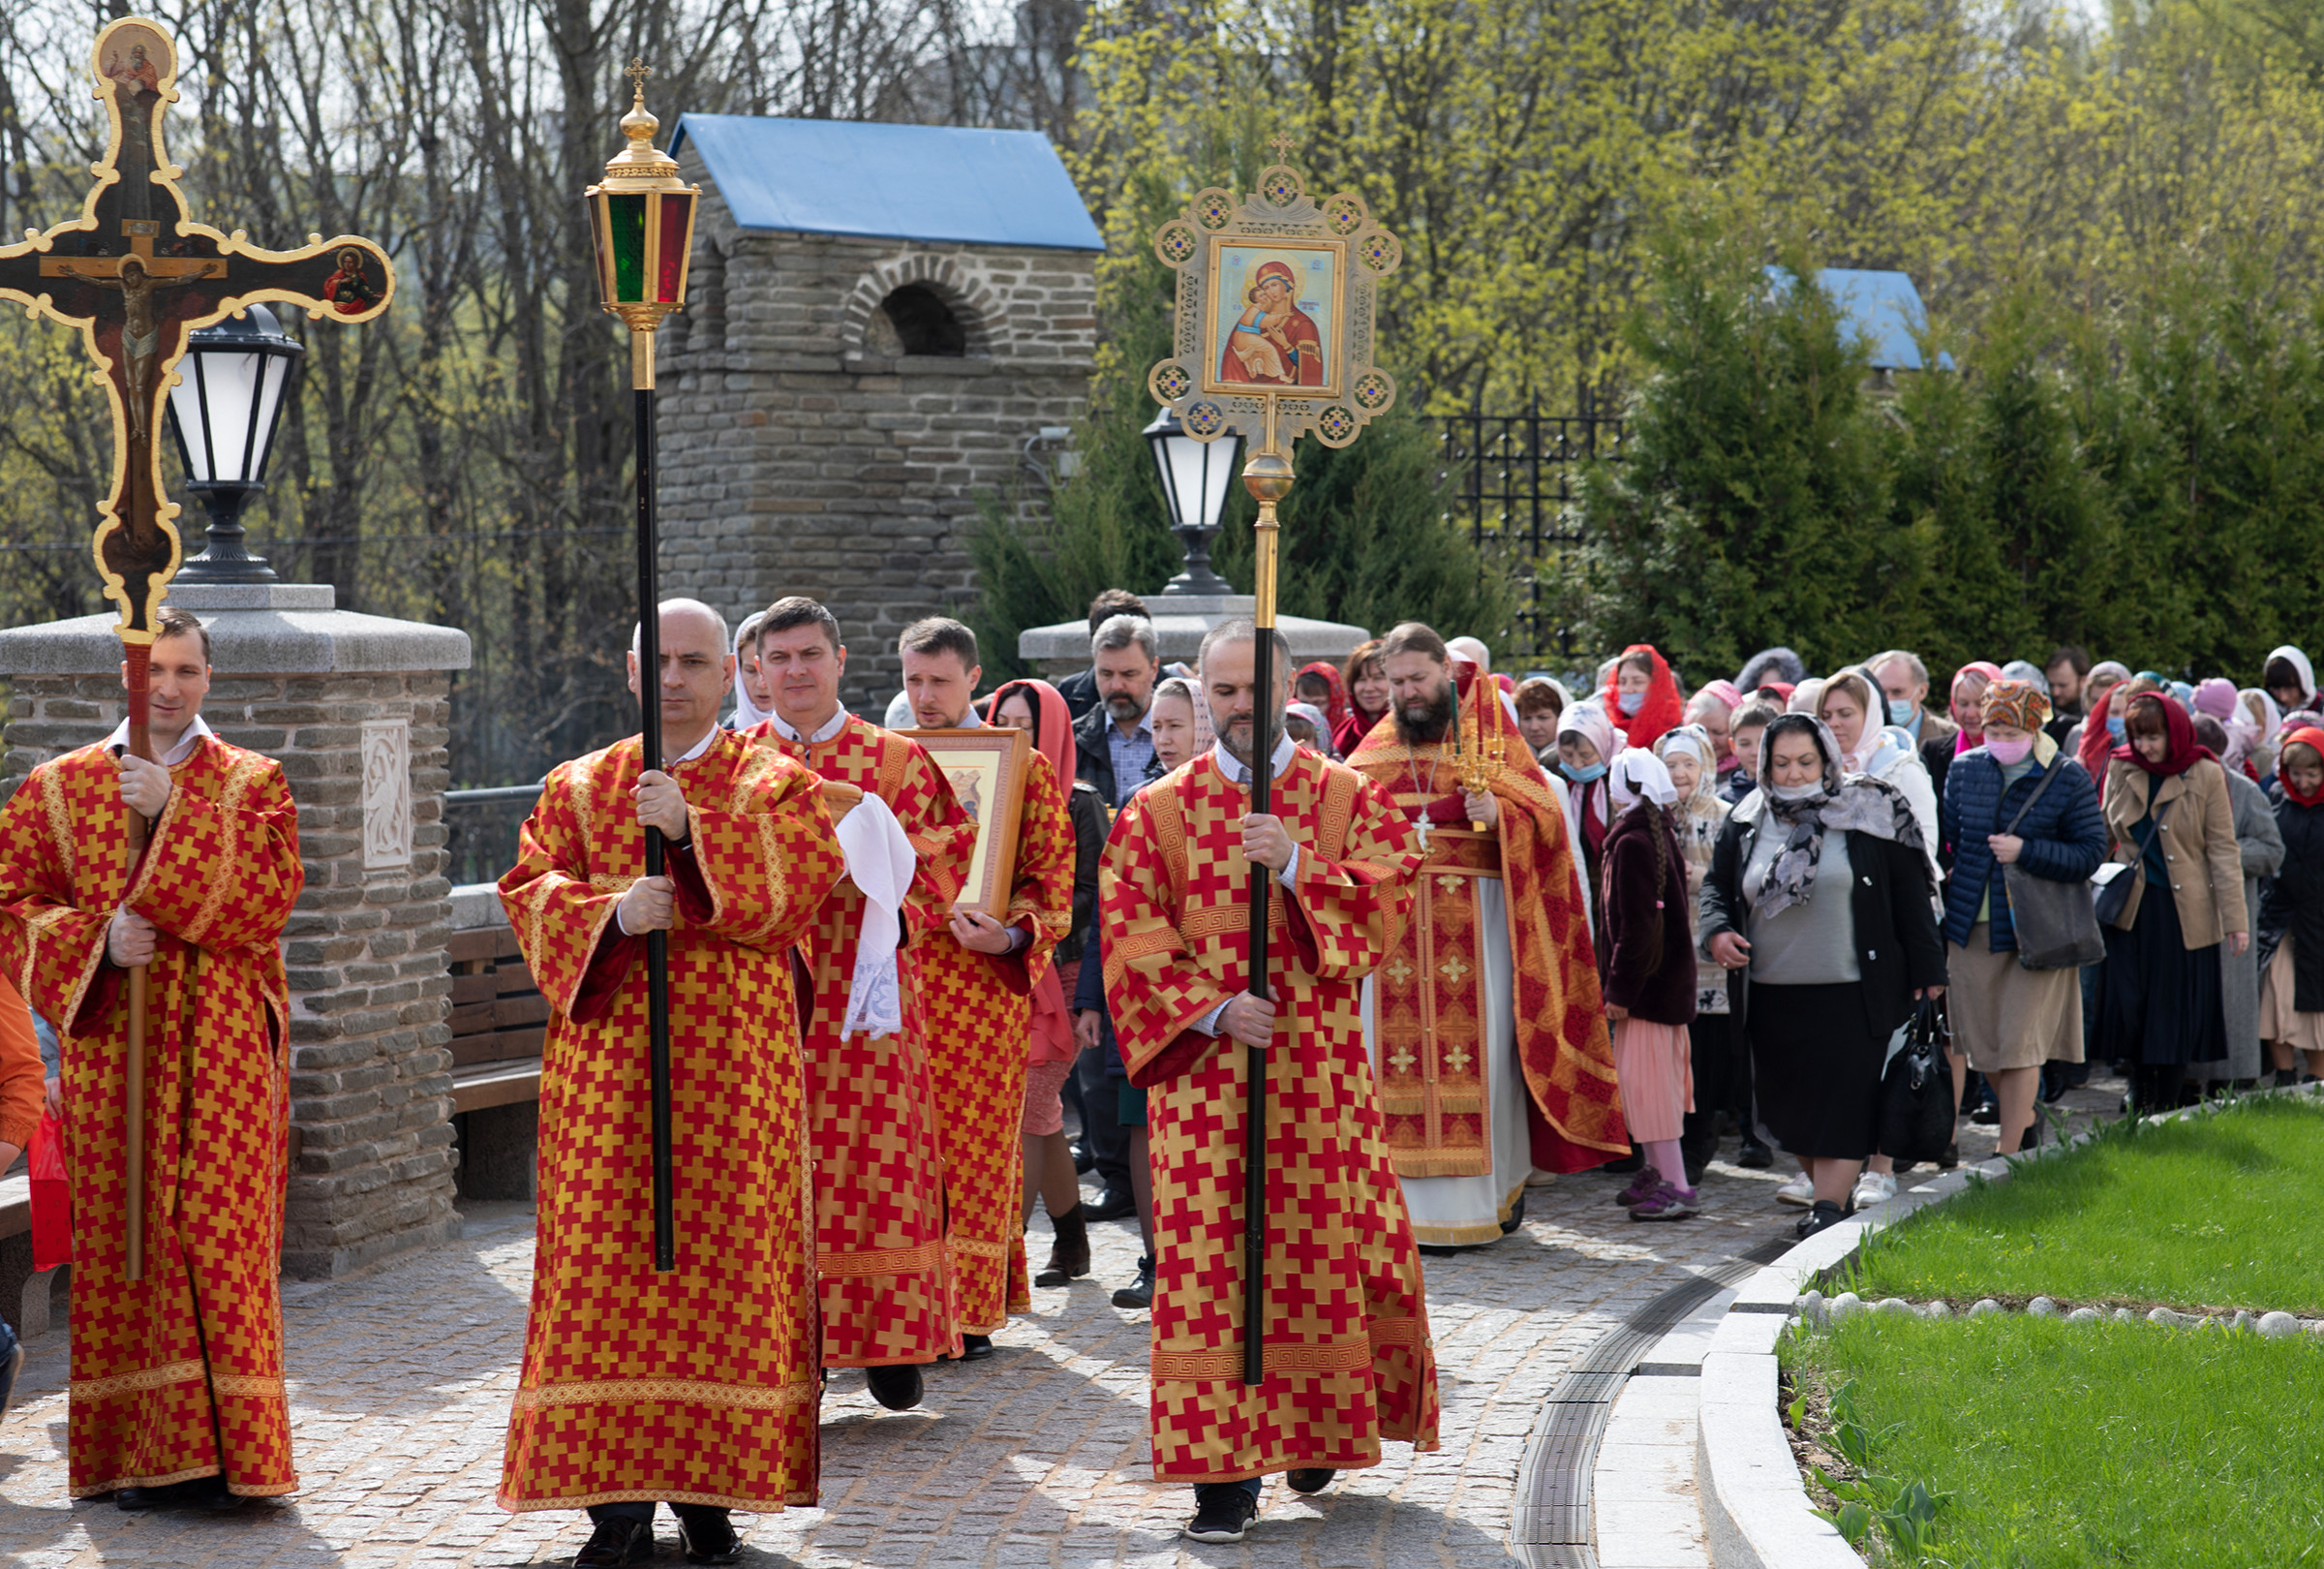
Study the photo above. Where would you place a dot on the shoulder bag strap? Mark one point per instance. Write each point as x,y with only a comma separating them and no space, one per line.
2057,767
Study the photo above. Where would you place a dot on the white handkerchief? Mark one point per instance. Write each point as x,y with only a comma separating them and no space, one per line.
880,862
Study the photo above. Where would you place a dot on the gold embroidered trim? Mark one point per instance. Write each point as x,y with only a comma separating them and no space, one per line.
667,1391
976,1247
1326,1357
717,1500
928,1255
248,1386
60,819
144,1378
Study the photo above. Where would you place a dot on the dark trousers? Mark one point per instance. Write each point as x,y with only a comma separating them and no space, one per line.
643,1512
1722,1083
1108,1140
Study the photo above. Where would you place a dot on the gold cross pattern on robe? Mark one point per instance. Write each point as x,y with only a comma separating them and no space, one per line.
1452,970
1401,1060
1400,971
1448,884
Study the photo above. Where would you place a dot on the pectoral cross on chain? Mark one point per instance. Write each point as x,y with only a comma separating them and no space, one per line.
135,275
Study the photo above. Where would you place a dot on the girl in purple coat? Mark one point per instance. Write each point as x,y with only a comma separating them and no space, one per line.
1646,960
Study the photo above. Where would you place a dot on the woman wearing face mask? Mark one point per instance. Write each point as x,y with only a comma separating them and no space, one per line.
2017,800
1818,900
2174,830
1586,742
2291,919
1884,752
2107,727
1643,695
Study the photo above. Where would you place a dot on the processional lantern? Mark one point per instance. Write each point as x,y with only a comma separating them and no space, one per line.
138,277
642,220
1278,312
223,409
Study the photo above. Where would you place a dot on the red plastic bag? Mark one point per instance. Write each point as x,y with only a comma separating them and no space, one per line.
51,1202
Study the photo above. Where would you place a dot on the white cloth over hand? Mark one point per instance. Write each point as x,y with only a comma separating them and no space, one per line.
880,862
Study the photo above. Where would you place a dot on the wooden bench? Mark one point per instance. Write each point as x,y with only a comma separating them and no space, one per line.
499,1021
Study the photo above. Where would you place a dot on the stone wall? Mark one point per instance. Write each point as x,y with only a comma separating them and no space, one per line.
371,1166
800,454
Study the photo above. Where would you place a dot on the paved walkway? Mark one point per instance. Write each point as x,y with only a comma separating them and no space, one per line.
400,1382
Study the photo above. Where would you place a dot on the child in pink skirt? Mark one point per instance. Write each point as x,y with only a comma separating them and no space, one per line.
1646,959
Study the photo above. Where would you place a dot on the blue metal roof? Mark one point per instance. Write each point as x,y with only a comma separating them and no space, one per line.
1883,306
922,182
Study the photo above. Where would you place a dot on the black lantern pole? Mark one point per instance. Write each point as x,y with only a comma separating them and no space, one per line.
1195,476
642,219
229,400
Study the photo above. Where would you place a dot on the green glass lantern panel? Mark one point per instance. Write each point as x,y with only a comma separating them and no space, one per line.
677,231
626,223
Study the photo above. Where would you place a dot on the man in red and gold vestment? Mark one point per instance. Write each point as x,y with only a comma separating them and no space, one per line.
975,978
1486,1029
699,1387
1348,1357
887,1291
177,1378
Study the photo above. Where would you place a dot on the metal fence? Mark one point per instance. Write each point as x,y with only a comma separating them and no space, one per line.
480,830
1513,480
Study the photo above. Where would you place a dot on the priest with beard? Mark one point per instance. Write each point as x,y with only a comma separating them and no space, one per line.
1486,1026
1347,1352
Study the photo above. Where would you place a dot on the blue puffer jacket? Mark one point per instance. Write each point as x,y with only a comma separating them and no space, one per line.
2064,835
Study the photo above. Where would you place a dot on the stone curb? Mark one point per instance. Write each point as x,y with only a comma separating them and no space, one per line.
1755,1505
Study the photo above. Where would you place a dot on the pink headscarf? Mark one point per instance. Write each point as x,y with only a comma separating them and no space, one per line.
1052,737
2215,697
1726,691
1992,672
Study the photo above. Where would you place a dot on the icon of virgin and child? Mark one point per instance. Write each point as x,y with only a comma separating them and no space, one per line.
1274,343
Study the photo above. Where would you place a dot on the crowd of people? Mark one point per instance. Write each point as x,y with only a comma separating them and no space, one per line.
1514,936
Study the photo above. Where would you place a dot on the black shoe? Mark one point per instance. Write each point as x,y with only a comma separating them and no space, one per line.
1222,1512
199,1492
2286,1078
1432,1250
2053,1084
898,1388
1756,1157
615,1543
1823,1217
1987,1112
137,1500
1112,1205
1140,1293
1085,1158
1951,1157
707,1536
1310,1479
1517,1216
974,1347
1069,1254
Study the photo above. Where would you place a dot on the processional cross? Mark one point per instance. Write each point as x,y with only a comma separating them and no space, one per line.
135,275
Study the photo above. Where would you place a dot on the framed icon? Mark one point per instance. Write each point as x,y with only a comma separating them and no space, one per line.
987,769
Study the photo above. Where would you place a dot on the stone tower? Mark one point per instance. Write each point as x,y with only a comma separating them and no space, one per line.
889,328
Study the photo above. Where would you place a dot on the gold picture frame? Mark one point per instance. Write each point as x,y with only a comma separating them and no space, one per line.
986,768
1292,349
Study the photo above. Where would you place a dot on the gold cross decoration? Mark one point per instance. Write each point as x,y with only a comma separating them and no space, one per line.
1452,970
135,275
639,72
1400,971
1283,144
1458,1060
1401,1060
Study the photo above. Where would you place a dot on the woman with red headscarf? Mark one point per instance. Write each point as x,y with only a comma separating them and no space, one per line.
1320,684
1039,709
1642,695
2291,918
2161,1005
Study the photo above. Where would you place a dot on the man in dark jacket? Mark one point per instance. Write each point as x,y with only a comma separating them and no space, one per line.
1116,740
1079,691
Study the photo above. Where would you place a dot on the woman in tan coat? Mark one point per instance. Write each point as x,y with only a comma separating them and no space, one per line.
2173,829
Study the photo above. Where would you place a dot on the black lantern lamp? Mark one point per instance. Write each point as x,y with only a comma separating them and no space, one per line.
224,408
1194,482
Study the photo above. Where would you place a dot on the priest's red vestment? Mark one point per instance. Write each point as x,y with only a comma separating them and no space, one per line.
887,1292
700,1386
179,1375
978,1010
1348,1356
1430,997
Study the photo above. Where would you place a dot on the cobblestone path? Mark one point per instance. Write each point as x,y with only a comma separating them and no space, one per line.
400,1381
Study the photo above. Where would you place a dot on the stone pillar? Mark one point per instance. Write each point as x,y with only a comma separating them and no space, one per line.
1179,622
355,708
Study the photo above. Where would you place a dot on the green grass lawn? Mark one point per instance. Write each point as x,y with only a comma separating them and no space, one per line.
2068,1445
2219,1211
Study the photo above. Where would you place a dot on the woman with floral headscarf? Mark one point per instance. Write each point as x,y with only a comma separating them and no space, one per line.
1587,742
2173,828
2013,800
1818,900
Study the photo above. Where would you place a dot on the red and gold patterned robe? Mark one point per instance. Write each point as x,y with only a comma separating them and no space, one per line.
977,1012
1428,999
1349,1359
179,1375
886,1288
700,1386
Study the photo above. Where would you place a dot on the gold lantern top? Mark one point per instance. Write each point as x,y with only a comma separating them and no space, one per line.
642,216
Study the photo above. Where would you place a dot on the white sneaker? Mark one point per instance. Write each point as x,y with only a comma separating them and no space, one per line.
1799,1192
1873,1187
1537,1177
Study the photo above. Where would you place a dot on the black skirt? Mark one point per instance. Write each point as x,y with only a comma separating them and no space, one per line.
2160,1001
1815,1068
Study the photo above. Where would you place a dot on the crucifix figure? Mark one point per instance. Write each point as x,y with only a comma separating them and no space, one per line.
135,275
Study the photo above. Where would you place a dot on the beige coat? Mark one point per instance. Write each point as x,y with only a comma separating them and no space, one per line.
2198,843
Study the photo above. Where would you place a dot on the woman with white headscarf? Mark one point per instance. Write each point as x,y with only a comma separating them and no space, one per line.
753,693
1646,963
1817,900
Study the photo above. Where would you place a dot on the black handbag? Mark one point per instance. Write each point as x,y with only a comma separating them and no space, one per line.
1916,1095
2056,923
2114,894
